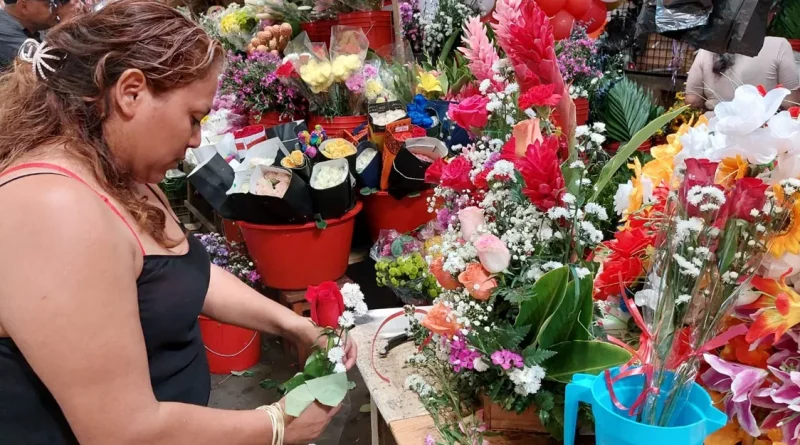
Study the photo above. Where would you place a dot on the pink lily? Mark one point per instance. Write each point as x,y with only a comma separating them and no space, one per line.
742,382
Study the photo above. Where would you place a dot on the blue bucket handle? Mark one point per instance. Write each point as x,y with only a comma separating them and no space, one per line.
580,390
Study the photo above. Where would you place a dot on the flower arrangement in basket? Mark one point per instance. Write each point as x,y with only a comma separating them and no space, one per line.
709,222
519,221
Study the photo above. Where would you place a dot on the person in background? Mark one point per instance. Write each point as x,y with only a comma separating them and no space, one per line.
101,287
27,19
714,78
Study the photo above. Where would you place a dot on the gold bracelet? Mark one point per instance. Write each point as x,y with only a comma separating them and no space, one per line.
275,412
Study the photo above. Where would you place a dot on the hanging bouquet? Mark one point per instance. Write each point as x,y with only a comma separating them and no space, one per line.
324,377
699,218
518,223
410,19
231,257
333,82
254,85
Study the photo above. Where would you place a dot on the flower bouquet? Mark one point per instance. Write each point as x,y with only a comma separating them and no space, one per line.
401,266
237,24
229,256
700,217
324,377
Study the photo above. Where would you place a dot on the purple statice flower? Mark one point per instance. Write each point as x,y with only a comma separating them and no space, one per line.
462,356
429,440
742,382
507,359
491,160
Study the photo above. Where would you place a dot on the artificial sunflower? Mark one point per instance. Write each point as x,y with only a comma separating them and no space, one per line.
788,239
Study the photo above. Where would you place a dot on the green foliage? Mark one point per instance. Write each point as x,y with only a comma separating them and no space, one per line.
623,110
787,21
328,390
505,336
546,296
584,357
536,357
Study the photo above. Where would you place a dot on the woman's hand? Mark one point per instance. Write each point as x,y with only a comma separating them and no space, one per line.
310,335
309,426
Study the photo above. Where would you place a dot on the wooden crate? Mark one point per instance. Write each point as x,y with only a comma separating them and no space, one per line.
498,419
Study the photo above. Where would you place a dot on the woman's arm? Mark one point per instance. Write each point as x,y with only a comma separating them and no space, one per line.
68,300
231,301
787,74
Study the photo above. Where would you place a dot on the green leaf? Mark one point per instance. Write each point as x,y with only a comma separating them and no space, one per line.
242,373
351,385
557,327
366,191
448,46
511,337
572,177
729,245
584,357
546,295
317,365
534,356
330,389
366,408
293,382
627,150
270,384
584,313
298,400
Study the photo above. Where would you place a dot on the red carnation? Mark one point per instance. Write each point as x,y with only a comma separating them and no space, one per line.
543,95
541,171
615,275
628,244
285,71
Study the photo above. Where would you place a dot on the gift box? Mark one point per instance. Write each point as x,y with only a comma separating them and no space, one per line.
408,171
368,173
332,188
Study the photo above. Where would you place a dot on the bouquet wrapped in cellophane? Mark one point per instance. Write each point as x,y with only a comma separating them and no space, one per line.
700,217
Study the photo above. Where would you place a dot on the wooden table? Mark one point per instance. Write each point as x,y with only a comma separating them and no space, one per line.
398,416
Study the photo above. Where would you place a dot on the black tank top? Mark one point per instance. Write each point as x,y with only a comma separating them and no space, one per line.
171,292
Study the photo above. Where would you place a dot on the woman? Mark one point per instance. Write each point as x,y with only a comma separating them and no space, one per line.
714,78
100,288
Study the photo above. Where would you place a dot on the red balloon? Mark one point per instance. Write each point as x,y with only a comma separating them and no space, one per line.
595,17
577,8
562,25
551,7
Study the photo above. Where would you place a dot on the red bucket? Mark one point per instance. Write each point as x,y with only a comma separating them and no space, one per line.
377,25
385,213
795,44
337,124
270,119
229,348
293,257
231,231
581,111
319,31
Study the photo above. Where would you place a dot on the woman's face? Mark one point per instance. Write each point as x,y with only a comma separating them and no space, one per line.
149,133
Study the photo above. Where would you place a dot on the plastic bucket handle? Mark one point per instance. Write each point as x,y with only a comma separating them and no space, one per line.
580,390
255,334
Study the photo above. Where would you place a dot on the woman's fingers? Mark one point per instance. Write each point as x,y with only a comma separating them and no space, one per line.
350,353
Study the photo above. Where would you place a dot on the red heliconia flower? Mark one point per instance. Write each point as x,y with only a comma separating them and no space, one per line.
541,171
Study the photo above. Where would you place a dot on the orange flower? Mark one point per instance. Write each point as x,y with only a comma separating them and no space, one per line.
738,350
526,133
730,170
778,308
478,281
440,321
444,278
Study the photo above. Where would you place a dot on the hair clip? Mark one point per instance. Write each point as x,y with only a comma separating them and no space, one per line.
36,54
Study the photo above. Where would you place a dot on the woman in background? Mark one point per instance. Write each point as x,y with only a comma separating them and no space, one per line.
714,78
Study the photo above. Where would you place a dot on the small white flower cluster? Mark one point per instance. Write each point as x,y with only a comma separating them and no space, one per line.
576,92
790,186
706,198
468,312
501,102
502,169
730,277
528,380
446,21
456,254
684,228
354,302
683,299
590,138
417,359
336,356
688,268
416,383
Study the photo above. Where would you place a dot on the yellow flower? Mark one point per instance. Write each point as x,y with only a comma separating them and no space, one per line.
641,189
730,170
373,88
228,24
428,83
788,240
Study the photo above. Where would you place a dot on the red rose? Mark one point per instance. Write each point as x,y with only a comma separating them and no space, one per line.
455,175
327,304
628,244
470,113
285,71
433,175
541,171
539,96
699,172
615,275
747,194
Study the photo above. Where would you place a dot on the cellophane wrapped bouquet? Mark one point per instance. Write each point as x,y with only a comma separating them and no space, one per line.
517,224
700,217
332,81
400,265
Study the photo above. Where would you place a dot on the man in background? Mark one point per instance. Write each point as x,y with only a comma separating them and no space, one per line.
28,19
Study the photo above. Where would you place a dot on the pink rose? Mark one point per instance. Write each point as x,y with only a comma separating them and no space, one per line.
492,253
471,218
470,113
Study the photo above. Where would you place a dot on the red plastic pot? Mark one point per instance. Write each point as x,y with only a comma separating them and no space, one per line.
229,348
385,213
377,25
295,256
319,31
614,146
269,119
795,44
230,230
581,111
336,124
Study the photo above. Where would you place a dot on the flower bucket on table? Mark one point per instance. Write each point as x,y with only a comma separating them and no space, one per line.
319,31
404,215
337,124
270,119
229,348
690,423
377,26
295,256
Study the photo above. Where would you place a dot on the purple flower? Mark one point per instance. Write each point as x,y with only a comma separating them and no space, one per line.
507,359
443,216
462,356
429,440
742,382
